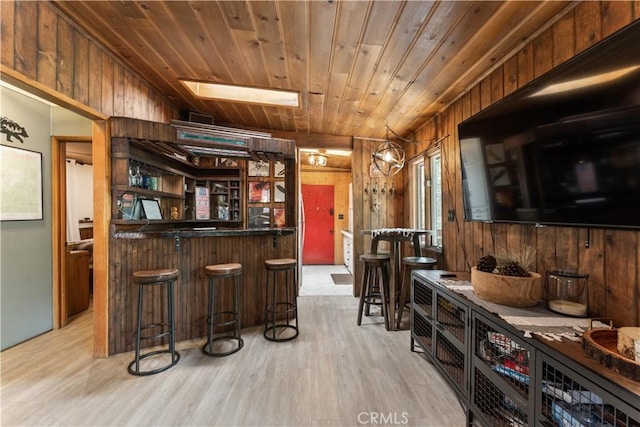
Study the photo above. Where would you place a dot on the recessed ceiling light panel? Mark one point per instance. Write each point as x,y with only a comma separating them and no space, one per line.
244,94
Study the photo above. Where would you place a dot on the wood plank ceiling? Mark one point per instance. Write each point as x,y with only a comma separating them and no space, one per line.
358,65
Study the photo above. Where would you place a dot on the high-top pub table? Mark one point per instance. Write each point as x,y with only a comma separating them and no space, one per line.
395,236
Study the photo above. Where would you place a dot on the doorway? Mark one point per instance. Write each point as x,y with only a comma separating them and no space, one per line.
319,233
73,227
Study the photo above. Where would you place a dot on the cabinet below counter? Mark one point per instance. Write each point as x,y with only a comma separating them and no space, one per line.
514,366
189,250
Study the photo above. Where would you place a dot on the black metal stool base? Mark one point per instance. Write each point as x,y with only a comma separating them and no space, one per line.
235,321
218,319
153,279
281,311
373,299
222,353
133,371
273,329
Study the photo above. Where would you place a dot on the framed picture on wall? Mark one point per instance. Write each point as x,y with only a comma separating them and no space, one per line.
21,189
259,192
259,217
278,217
278,170
279,191
258,168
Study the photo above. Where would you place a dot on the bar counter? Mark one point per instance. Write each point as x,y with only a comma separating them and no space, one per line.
189,250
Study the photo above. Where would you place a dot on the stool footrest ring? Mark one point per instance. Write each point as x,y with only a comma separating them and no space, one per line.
273,330
235,319
175,357
223,353
291,307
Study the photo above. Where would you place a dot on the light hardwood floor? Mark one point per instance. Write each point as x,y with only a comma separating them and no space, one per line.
334,374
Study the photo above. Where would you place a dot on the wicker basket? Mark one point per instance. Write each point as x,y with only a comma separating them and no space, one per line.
507,290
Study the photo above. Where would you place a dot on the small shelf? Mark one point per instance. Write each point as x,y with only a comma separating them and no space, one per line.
146,192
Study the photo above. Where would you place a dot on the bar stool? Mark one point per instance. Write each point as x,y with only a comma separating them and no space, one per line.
376,267
145,279
411,263
278,308
223,271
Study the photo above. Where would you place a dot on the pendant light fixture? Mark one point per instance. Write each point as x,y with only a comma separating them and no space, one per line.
389,157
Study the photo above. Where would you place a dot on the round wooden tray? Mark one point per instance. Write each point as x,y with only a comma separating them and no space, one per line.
600,344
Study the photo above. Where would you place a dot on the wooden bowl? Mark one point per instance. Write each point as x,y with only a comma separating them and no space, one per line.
507,290
600,344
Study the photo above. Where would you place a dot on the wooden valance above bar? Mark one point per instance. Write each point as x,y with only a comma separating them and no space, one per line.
200,140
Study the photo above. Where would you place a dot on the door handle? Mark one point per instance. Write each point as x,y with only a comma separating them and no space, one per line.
331,211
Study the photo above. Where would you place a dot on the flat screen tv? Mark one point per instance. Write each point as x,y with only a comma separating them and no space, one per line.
563,150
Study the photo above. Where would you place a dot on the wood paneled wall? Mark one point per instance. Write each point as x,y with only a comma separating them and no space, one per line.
613,256
45,47
340,182
377,202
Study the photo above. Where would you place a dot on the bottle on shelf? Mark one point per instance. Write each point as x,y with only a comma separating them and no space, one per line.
153,180
145,179
138,177
132,176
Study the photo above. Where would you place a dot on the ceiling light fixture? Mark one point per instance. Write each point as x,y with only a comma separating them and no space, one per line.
389,157
318,159
244,94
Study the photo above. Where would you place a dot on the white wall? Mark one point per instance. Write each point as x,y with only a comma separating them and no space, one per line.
68,123
26,261
26,273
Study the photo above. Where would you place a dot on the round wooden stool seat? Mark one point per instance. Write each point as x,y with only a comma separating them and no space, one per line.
155,276
223,270
375,258
280,263
419,261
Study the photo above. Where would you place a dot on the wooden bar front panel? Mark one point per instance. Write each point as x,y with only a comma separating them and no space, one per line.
189,255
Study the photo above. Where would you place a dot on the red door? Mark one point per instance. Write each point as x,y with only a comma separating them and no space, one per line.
317,247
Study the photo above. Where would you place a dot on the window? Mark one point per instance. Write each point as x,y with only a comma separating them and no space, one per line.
426,195
417,188
435,193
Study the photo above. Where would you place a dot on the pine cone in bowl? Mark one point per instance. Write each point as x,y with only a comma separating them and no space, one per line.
487,264
514,269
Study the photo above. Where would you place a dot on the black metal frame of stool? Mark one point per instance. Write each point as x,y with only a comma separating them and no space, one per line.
374,266
273,309
144,279
235,312
411,263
